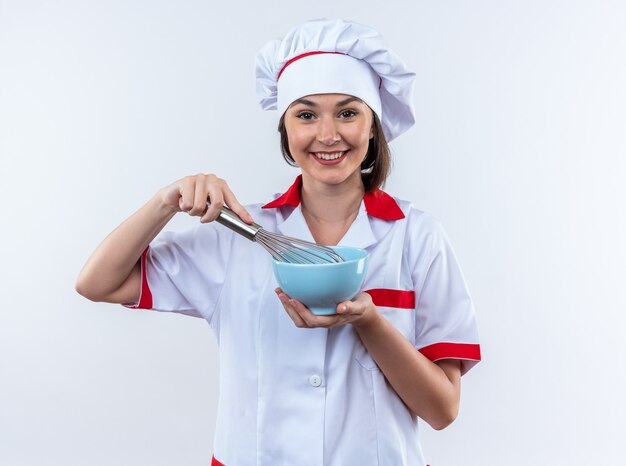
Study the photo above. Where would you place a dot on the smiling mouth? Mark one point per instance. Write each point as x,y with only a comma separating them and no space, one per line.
329,155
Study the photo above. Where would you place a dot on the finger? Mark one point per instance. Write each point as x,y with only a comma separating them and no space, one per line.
215,197
187,191
235,205
342,308
313,320
363,297
200,196
358,304
300,313
350,308
295,317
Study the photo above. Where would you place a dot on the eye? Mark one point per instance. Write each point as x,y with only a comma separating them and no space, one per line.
347,114
305,115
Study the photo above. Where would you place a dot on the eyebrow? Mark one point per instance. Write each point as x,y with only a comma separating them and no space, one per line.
310,103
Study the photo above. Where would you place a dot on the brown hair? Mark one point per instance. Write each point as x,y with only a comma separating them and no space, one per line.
376,165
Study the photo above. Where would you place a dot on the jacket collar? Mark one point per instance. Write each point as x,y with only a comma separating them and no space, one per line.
377,203
359,235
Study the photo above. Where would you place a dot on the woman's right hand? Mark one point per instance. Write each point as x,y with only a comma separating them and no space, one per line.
202,195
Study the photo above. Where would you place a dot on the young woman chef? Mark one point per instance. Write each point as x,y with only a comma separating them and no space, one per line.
296,388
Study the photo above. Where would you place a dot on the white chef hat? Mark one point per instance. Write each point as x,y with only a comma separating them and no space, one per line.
327,56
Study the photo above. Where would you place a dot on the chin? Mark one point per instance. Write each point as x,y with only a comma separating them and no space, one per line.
337,178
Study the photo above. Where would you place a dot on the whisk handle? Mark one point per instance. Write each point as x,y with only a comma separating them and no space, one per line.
231,220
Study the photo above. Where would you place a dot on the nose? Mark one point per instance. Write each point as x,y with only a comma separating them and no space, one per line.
327,132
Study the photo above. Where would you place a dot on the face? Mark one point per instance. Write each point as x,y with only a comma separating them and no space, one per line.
329,136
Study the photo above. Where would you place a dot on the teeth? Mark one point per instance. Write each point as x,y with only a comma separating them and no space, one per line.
333,156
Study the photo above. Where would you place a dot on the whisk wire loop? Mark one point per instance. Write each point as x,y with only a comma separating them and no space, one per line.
282,248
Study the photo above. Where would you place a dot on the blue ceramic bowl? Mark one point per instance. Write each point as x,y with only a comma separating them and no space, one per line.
321,287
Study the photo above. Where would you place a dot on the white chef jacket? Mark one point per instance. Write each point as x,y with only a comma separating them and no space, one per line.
293,396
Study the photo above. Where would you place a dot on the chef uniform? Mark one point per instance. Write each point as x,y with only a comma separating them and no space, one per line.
314,396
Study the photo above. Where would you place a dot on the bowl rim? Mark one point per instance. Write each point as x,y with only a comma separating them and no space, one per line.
331,264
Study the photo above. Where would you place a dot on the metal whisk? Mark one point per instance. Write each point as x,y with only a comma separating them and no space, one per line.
282,248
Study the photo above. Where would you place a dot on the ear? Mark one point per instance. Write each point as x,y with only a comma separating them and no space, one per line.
372,132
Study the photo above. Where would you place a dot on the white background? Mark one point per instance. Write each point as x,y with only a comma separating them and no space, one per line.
519,149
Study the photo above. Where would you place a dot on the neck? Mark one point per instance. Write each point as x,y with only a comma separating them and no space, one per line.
332,204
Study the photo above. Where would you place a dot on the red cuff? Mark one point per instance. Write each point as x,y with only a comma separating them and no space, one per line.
145,296
438,351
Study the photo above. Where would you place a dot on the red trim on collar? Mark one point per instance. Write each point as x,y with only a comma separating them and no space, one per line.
290,197
378,203
381,205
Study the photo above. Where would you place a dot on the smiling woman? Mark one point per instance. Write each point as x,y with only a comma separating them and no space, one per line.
298,388
328,137
375,166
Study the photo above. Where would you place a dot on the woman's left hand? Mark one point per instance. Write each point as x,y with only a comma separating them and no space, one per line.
361,310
